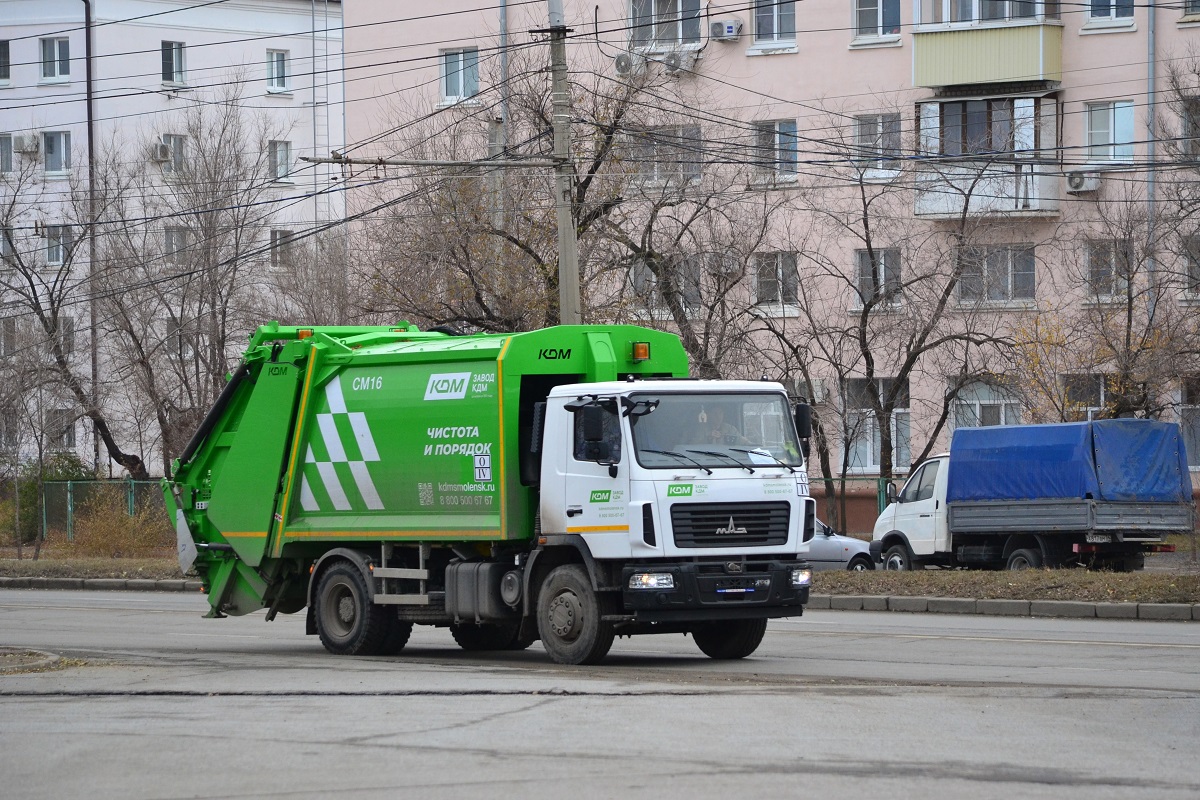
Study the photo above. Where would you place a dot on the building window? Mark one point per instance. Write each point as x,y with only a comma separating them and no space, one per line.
685,274
177,151
996,274
864,444
281,248
1084,396
877,141
774,21
59,243
939,11
175,244
1189,418
667,153
7,244
279,156
65,335
9,434
977,126
776,279
56,59
776,148
6,153
5,62
1189,125
1109,267
460,74
172,63
981,404
8,337
1191,7
277,70
876,17
60,429
1191,256
57,147
1110,131
1111,9
664,23
878,277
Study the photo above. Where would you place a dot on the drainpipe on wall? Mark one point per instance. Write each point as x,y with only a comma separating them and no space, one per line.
93,351
1151,150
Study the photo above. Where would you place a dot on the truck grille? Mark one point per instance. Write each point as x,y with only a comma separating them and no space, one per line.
729,524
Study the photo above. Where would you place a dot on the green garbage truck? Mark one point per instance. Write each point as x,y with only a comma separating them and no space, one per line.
568,484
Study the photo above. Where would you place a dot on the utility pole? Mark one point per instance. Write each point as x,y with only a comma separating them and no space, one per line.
560,94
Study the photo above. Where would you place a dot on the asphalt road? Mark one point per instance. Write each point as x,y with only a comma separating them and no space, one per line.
158,703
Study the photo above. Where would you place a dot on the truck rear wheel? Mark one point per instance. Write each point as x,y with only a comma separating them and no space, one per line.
897,558
736,638
348,622
1025,558
472,637
570,615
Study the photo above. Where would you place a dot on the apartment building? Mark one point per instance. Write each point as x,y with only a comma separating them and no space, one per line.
981,211
150,155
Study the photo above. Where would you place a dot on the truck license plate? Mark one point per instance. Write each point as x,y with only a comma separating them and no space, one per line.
1098,538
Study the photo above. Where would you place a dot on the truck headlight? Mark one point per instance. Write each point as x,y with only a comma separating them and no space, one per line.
651,580
801,577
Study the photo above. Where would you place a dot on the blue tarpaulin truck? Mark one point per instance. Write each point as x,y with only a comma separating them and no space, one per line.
1100,493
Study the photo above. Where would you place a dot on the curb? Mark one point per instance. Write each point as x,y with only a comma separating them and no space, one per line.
104,584
1177,612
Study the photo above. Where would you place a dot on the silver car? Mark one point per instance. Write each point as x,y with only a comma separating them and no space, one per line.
829,550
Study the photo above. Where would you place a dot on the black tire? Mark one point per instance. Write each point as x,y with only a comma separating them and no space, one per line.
475,638
569,617
735,638
897,559
860,563
1025,558
348,623
397,635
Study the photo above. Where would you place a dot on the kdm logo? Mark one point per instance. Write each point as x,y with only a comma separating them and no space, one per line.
601,495
447,386
679,490
554,354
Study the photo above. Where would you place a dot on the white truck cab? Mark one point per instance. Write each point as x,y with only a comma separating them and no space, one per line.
914,524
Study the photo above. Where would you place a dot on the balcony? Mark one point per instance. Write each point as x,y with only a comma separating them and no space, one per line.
993,190
995,54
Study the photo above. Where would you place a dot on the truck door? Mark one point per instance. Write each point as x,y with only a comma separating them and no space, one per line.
596,490
918,509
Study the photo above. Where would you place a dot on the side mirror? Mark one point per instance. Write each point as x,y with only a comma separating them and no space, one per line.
893,496
803,415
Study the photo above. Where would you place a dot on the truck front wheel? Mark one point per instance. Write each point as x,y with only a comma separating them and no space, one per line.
730,639
348,622
570,617
897,558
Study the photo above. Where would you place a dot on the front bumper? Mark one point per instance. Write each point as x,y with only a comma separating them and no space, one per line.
876,550
708,590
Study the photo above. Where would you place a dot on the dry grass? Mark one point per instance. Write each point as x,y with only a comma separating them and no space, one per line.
54,565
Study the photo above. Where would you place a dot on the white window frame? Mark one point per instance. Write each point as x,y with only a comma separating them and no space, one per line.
459,69
961,13
60,429
668,154
998,277
176,242
1104,270
60,241
1109,131
279,160
877,142
1084,409
66,334
886,277
1191,265
55,52
777,14
1189,418
174,73
6,152
177,143
783,277
982,404
5,62
656,26
278,73
62,151
776,151
877,19
281,247
863,430
1110,10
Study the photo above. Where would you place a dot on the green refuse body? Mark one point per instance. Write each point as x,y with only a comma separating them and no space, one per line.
502,485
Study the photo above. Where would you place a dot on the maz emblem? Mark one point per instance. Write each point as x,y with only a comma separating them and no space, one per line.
733,528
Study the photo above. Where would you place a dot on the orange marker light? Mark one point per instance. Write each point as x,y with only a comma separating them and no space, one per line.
304,333
641,351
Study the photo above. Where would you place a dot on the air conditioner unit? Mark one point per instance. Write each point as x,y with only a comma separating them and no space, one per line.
1082,182
160,152
725,30
678,61
26,142
629,64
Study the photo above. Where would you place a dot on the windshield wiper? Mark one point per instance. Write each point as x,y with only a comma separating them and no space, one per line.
723,455
766,453
679,455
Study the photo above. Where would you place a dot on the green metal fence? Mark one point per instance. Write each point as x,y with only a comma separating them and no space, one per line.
61,501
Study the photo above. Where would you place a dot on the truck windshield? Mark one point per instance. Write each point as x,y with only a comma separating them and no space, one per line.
713,431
